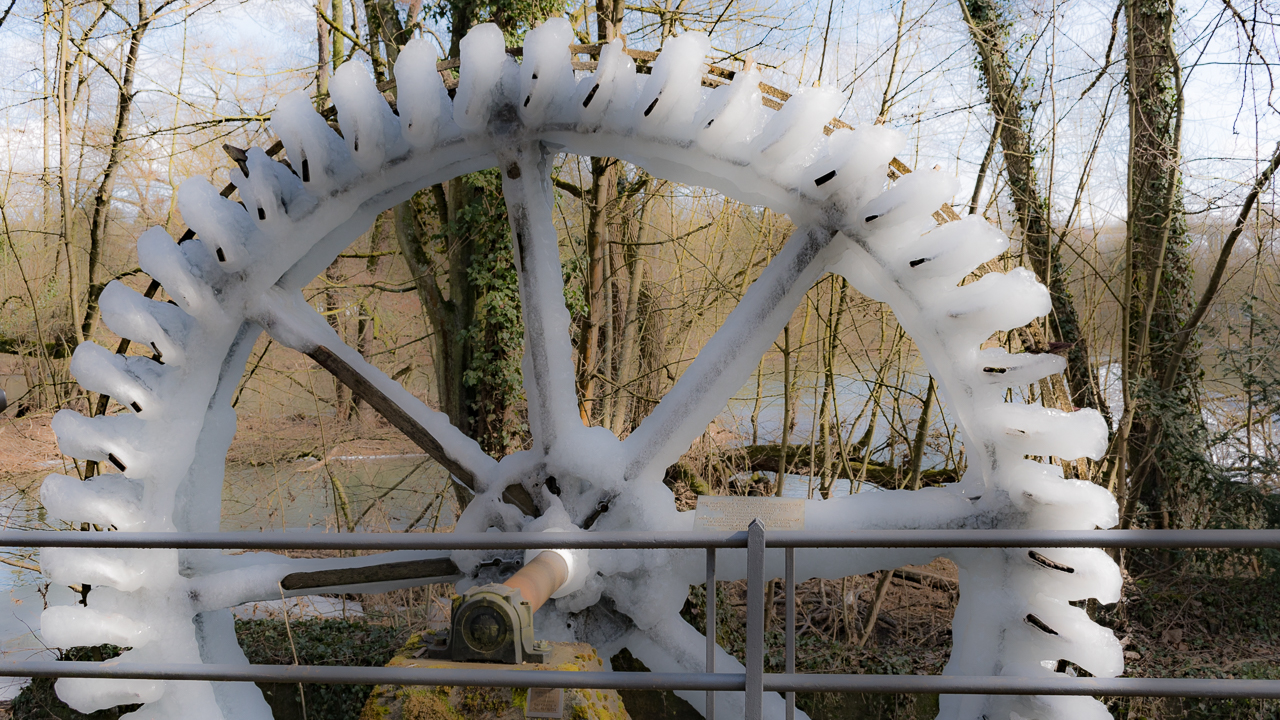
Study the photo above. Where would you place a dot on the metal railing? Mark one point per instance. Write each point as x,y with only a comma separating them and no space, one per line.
754,680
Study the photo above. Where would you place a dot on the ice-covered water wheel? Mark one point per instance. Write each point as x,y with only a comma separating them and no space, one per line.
243,270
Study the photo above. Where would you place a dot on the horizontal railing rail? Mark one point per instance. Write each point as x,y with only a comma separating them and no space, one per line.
1206,539
774,682
754,681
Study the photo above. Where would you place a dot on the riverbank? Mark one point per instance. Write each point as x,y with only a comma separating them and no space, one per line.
27,446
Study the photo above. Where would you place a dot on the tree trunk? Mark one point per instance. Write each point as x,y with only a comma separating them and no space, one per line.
416,251
989,26
787,412
603,183
365,321
385,26
339,43
102,198
342,399
922,435
66,64
1164,435
629,357
323,44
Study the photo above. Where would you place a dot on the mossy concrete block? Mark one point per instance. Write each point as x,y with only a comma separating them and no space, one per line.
439,702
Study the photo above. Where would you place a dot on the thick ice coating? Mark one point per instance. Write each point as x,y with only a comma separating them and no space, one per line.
242,274
371,130
546,75
422,100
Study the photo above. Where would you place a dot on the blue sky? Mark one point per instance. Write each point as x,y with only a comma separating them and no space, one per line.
241,56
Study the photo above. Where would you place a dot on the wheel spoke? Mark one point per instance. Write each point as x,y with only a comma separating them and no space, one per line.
548,359
294,323
721,368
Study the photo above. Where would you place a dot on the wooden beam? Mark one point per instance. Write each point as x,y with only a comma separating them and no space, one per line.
430,571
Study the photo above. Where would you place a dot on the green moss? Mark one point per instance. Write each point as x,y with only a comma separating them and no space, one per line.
374,710
419,704
469,701
413,643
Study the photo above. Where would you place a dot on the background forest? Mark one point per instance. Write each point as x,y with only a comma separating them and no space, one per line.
1127,149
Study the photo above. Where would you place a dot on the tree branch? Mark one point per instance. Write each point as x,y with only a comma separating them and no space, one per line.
354,40
1215,281
7,11
1111,44
10,561
568,187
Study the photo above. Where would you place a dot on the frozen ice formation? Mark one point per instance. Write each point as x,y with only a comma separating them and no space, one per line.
242,274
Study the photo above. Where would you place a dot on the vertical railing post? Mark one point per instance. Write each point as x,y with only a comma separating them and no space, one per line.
755,621
791,627
711,628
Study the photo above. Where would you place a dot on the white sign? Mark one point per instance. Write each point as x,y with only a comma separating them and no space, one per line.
716,512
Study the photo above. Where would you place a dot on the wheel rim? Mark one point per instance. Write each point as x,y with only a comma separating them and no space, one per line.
243,273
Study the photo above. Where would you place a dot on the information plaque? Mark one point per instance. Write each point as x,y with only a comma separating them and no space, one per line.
717,512
544,703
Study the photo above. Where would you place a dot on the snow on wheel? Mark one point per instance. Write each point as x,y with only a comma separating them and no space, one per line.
242,274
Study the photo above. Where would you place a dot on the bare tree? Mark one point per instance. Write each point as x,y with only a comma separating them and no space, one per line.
136,28
990,25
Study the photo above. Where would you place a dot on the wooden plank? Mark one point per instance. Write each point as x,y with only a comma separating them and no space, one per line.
430,570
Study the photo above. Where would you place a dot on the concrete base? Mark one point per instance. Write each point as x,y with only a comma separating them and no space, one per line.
393,702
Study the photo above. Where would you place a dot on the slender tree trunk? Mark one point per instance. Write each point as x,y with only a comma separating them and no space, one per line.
339,43
365,320
830,394
922,434
606,368
628,360
990,25
106,188
323,44
755,407
48,78
603,184
785,444
604,181
886,100
333,307
65,65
